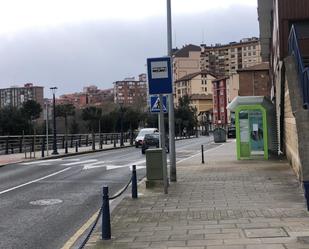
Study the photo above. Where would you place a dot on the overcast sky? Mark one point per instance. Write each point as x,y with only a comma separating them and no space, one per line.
76,43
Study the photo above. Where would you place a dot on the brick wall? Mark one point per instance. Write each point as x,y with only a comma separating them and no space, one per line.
254,83
290,134
296,121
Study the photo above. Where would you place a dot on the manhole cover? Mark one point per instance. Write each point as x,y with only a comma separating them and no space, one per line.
273,232
46,202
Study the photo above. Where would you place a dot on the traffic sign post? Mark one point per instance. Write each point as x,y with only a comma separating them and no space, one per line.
160,82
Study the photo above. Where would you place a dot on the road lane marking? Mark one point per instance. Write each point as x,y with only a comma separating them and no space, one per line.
80,162
36,180
112,166
42,161
100,164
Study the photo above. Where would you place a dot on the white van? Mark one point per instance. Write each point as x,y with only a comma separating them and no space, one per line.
140,137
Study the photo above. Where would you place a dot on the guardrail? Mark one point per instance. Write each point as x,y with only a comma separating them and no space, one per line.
303,72
105,211
32,143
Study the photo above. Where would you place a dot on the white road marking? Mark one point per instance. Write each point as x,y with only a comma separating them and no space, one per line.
80,162
109,166
42,161
36,180
100,164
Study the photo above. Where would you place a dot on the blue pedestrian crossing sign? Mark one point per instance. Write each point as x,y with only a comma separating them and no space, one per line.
155,104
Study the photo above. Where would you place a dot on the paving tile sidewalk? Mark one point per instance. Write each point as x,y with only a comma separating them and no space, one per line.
222,204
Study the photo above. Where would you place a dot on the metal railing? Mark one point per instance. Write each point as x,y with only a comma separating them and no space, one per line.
33,143
105,212
303,72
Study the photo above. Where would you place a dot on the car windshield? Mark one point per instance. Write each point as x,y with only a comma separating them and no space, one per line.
142,133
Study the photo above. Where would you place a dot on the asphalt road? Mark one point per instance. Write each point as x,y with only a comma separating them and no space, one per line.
43,203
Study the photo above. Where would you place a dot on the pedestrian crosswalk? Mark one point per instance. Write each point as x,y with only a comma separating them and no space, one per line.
88,164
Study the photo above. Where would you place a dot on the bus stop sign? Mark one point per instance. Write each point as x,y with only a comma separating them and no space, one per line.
159,75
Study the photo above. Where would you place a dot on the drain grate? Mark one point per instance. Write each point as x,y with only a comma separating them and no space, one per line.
272,232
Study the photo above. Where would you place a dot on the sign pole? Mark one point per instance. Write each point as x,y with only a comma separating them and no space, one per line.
162,145
171,114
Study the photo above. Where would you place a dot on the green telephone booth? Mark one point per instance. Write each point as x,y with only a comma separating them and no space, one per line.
255,126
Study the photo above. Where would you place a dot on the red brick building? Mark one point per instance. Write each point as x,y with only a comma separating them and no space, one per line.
131,92
254,81
220,102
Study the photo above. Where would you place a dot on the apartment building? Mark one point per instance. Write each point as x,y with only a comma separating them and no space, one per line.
15,96
131,92
91,95
220,101
226,59
186,61
194,83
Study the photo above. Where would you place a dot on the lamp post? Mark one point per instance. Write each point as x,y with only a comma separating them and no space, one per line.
121,125
55,152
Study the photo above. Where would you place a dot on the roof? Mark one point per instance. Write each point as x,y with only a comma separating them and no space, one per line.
192,75
250,100
201,96
259,67
184,52
221,78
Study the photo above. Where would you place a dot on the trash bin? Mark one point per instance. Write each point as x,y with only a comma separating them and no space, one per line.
154,168
219,135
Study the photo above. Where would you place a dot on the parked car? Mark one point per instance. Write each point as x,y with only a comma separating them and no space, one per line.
152,140
140,137
231,132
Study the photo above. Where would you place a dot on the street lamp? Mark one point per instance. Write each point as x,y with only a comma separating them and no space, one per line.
55,152
121,125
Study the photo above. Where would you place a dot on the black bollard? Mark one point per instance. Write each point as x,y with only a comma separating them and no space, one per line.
101,142
93,141
20,145
76,146
134,182
131,138
43,147
66,146
86,141
7,146
202,146
115,141
106,223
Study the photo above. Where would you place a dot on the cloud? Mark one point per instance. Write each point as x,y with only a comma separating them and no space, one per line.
101,52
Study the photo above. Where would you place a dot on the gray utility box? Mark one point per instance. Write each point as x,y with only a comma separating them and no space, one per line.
154,168
219,135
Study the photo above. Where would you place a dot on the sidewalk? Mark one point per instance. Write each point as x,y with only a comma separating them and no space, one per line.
20,157
222,204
